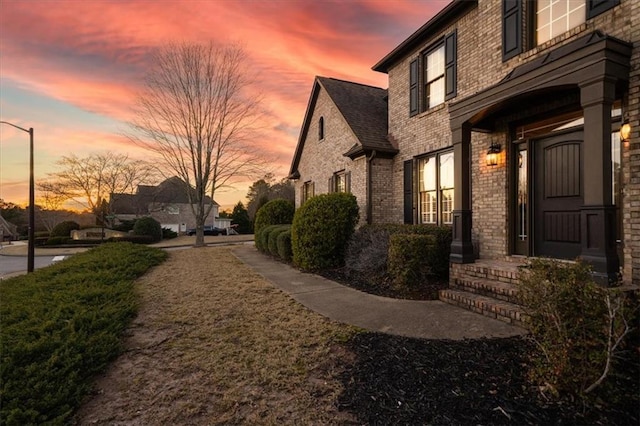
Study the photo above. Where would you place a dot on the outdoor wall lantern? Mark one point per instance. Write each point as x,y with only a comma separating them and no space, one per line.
492,154
625,132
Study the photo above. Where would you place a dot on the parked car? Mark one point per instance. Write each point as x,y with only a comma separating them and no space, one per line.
208,230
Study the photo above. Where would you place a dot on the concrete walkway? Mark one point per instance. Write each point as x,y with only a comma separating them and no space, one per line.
411,318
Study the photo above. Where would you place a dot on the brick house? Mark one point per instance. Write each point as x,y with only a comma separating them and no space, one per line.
343,146
168,203
506,115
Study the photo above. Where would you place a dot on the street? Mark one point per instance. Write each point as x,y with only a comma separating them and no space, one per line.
12,264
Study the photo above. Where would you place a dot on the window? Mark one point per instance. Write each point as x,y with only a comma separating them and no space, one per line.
340,182
547,19
437,76
435,188
434,77
307,190
554,17
321,128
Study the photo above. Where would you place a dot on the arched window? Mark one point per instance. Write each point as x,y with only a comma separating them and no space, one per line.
321,128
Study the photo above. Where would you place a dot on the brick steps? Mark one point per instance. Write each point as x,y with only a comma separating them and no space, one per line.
487,306
488,288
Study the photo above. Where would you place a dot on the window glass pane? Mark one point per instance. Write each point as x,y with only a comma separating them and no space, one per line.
427,174
435,64
446,197
446,170
435,92
428,207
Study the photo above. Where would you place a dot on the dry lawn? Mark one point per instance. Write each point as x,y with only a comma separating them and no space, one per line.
214,343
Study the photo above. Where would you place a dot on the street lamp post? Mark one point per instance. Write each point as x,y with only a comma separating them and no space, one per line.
32,199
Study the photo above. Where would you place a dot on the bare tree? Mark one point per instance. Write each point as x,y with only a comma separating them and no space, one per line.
195,112
51,197
90,181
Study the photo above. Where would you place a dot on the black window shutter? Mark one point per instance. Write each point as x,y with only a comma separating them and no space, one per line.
330,185
413,87
347,185
408,191
596,7
450,65
511,28
313,189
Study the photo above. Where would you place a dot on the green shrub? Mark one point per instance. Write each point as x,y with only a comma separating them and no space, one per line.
321,228
573,322
275,212
262,238
148,226
368,249
284,245
56,241
272,238
168,234
62,325
125,225
41,234
407,258
63,229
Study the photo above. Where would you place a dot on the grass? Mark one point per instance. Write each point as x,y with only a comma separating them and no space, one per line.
61,325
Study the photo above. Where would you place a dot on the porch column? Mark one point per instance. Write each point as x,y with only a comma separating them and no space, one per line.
598,212
461,246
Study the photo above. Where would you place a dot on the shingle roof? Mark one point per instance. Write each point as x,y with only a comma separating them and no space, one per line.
364,109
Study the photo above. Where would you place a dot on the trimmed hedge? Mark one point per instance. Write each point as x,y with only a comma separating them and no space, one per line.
321,228
275,212
272,238
284,246
62,325
262,238
168,234
406,258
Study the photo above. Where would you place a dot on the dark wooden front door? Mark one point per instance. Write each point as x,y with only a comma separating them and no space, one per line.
558,195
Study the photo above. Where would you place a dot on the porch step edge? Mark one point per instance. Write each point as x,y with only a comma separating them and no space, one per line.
504,291
487,306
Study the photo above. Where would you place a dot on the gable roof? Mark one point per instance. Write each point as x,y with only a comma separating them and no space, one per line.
452,11
364,109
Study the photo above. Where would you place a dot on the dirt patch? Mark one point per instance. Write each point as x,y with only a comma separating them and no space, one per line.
215,344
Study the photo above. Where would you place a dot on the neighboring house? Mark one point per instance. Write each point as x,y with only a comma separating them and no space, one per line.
168,203
343,146
507,116
8,231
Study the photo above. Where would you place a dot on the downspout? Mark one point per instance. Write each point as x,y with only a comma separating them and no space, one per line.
369,189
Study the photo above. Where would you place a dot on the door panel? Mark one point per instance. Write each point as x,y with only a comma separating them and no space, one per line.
558,196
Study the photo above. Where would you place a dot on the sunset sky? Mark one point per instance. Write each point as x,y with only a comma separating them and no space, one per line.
70,69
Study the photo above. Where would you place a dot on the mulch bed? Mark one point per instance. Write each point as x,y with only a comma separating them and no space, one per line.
427,290
398,380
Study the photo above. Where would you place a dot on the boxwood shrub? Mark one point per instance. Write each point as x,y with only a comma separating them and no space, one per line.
284,245
406,258
261,238
321,228
272,238
275,212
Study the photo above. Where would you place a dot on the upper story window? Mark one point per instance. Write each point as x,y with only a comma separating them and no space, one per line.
321,128
545,20
554,17
433,75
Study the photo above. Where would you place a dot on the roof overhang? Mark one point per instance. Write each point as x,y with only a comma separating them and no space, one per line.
453,10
